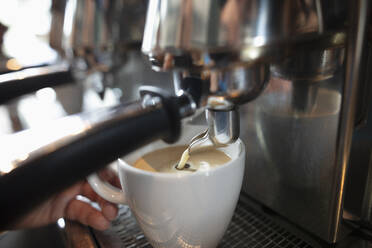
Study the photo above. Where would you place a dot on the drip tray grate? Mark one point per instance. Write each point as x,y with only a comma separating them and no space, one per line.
248,228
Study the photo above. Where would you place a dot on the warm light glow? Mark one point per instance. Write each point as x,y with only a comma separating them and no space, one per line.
23,157
5,122
46,94
15,148
7,167
61,223
251,53
12,64
258,41
40,108
69,17
26,39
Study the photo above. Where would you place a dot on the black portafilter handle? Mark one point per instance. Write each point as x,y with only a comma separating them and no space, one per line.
28,80
114,132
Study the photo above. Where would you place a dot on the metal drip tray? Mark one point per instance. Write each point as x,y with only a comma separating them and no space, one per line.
249,228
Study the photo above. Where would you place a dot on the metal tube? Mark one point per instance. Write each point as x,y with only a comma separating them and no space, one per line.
15,84
354,51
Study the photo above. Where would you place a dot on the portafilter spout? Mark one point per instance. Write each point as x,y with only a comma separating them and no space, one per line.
223,123
58,159
220,92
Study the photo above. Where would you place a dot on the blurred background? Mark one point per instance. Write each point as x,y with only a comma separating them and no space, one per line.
25,26
27,30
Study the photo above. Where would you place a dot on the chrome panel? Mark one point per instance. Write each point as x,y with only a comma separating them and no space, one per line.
245,31
99,33
291,151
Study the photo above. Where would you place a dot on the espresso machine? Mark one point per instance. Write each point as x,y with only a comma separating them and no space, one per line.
290,78
297,70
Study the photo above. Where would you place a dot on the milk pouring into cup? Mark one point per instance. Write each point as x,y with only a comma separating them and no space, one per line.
181,207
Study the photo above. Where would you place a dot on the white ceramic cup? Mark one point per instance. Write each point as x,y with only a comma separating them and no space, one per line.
179,210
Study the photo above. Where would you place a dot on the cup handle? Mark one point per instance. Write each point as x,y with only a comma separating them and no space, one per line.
106,190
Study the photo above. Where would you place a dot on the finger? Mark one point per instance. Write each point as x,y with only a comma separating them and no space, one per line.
109,210
87,215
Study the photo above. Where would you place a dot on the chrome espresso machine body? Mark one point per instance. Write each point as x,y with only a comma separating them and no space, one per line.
301,65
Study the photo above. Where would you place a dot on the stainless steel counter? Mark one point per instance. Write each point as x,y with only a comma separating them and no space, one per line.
251,226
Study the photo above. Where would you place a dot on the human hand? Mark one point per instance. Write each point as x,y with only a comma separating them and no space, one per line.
67,205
